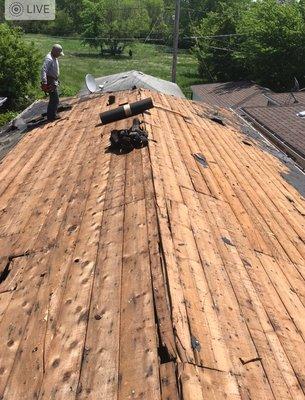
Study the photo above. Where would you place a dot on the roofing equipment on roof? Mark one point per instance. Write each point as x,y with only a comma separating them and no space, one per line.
126,110
150,275
135,79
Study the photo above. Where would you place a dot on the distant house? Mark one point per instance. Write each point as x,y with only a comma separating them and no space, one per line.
275,115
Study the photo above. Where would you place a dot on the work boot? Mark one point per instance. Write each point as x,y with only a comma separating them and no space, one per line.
57,117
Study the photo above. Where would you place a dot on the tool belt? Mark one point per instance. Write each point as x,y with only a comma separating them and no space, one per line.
50,86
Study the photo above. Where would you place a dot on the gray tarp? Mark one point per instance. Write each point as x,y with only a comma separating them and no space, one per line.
129,80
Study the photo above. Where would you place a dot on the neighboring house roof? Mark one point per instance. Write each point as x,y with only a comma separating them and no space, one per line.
2,100
284,124
174,271
130,79
287,99
275,114
231,94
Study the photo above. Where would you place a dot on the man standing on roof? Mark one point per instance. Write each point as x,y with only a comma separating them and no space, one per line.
49,80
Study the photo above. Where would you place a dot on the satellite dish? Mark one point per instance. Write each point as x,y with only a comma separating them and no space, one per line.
91,84
2,100
296,87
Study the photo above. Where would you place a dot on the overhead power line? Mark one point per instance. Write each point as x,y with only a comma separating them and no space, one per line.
152,29
220,48
216,36
124,39
145,39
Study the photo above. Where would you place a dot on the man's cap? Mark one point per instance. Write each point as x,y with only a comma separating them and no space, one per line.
59,48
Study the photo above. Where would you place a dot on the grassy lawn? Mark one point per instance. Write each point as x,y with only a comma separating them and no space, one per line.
148,58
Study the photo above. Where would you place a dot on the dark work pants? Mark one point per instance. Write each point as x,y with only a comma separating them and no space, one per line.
53,104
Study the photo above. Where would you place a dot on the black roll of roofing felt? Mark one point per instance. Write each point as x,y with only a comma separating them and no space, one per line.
126,111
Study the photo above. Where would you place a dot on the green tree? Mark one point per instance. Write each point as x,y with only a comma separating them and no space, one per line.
215,50
302,8
110,23
68,19
1,11
62,25
72,10
156,14
19,66
192,11
272,51
268,46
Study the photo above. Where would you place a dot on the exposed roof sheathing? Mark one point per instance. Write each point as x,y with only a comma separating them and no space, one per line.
150,275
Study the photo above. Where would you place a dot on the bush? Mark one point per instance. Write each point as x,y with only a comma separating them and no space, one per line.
7,117
19,67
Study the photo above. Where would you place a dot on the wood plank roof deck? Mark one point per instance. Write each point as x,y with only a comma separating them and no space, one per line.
147,275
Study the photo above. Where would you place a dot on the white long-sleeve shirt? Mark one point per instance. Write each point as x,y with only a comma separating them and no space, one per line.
50,68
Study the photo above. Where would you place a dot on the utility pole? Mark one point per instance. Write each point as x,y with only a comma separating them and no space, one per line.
176,41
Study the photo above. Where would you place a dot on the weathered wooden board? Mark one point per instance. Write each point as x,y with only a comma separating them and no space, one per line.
149,275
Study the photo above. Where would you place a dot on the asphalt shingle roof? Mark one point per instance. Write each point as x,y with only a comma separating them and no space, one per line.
276,113
231,94
283,122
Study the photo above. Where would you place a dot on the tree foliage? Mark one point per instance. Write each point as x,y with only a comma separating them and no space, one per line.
63,25
19,63
213,47
2,11
155,10
273,50
192,11
110,23
268,46
72,9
